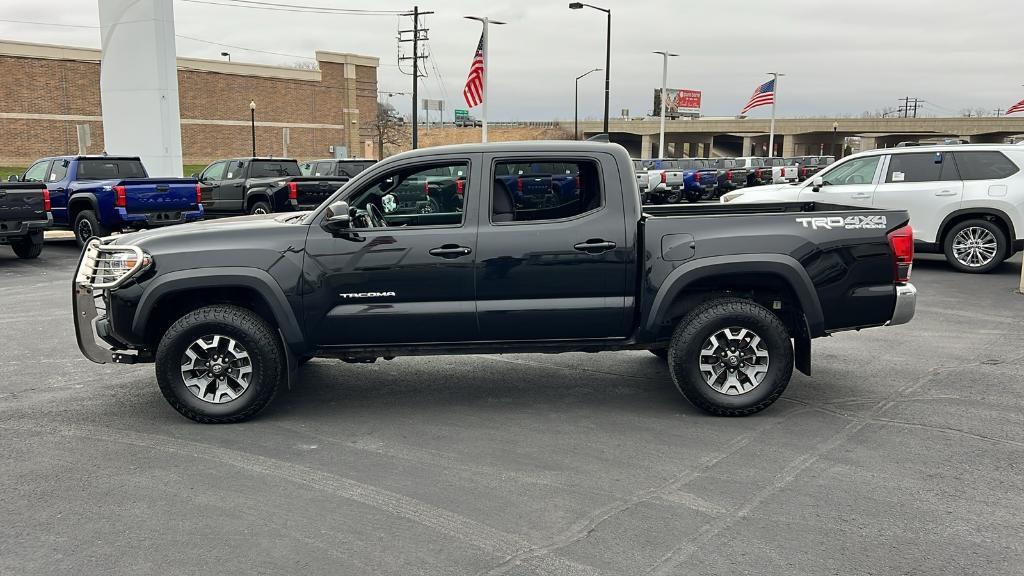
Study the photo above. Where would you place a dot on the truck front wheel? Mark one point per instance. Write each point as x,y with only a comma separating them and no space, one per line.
219,364
731,357
88,225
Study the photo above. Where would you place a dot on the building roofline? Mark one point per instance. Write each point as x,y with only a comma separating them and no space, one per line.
58,52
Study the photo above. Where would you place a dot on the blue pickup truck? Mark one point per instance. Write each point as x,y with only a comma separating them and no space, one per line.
97,195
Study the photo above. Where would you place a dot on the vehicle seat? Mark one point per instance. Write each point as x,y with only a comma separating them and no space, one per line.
503,208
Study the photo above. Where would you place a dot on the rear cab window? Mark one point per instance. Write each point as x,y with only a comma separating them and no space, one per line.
273,169
109,169
544,190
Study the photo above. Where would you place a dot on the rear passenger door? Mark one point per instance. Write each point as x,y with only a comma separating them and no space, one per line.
556,270
926,184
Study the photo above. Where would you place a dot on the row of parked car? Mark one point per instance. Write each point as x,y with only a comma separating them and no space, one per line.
672,180
98,195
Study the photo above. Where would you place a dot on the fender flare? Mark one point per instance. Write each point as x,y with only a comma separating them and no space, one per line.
783,266
221,277
944,227
257,195
76,198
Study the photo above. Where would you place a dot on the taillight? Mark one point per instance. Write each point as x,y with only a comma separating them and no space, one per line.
803,172
902,242
460,187
663,178
757,173
46,200
696,176
577,182
293,191
519,184
199,194
120,197
728,175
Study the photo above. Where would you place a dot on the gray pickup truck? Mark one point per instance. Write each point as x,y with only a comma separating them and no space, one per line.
24,214
730,296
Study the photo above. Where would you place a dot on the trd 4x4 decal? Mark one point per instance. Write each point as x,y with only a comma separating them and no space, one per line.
847,223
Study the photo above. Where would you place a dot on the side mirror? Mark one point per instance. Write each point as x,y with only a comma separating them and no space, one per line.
12,178
338,217
194,176
816,183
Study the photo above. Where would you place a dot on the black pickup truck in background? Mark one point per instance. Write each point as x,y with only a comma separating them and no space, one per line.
24,214
349,167
262,186
730,296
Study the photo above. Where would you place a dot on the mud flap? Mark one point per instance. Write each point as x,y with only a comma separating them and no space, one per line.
802,349
290,361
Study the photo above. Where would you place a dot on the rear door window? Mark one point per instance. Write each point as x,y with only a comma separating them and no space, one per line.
521,191
323,169
984,165
921,167
58,171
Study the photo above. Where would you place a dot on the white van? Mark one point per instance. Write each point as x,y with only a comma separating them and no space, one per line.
965,201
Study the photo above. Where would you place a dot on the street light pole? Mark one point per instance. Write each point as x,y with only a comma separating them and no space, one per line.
607,55
227,54
576,114
486,74
252,118
771,128
835,127
664,90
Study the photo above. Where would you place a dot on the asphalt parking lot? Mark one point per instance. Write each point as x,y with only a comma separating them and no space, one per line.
903,454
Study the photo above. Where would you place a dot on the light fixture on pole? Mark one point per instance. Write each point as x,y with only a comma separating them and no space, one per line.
226,54
576,114
252,118
607,55
775,99
835,127
664,90
486,71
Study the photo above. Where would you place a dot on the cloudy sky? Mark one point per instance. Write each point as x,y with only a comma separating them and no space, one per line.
839,57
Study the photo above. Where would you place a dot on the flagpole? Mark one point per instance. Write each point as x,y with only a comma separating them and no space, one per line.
487,64
771,127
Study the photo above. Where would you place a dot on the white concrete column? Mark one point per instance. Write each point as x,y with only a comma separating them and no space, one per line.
645,147
139,83
747,143
788,146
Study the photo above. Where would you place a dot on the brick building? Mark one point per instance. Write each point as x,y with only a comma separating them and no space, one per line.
48,91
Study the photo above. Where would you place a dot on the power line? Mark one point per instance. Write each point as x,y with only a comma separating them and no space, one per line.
308,7
50,24
243,47
298,9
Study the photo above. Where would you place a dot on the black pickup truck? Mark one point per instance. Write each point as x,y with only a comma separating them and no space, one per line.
261,186
24,214
730,296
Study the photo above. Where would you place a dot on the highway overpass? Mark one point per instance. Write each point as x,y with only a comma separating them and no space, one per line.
794,136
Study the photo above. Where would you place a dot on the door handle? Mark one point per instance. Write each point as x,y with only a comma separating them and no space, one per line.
594,246
58,189
946,193
450,251
860,195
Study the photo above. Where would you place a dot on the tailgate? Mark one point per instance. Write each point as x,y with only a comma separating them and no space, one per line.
312,191
159,194
21,202
674,178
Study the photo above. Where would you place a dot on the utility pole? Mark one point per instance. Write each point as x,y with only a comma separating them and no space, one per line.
999,111
771,127
418,35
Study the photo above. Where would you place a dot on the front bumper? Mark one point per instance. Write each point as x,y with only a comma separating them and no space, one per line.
906,304
90,303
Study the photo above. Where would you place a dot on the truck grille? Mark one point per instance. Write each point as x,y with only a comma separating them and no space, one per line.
107,266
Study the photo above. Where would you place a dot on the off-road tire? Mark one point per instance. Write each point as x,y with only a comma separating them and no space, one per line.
707,319
247,328
87,223
258,206
28,247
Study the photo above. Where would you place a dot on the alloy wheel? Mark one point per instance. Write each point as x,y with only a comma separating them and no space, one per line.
733,361
84,229
975,246
216,369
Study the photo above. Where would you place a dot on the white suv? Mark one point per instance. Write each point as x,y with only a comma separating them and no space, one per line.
965,201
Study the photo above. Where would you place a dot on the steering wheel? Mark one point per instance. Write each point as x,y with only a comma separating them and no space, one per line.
375,217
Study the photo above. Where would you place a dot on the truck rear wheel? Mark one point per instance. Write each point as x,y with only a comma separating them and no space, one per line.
219,364
28,247
731,357
260,208
87,226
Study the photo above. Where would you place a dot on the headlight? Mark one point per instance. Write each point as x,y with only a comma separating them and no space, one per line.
107,266
730,196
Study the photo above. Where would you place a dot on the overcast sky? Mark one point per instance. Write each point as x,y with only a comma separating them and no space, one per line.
839,57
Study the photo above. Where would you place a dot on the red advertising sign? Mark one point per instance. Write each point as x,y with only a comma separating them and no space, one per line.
688,100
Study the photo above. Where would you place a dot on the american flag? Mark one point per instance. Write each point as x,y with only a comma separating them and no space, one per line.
1018,107
763,95
474,90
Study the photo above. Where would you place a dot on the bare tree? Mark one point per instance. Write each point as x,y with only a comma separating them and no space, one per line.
304,65
388,128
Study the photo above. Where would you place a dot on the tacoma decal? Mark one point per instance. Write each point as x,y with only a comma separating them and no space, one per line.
847,223
366,294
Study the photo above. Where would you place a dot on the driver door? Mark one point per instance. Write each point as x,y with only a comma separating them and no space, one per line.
209,184
408,279
850,183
